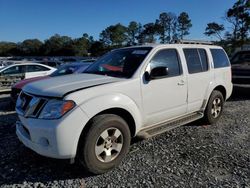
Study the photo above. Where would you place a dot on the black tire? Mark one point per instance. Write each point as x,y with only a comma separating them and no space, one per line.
209,116
89,142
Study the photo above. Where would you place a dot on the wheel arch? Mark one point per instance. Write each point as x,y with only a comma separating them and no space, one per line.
221,89
124,114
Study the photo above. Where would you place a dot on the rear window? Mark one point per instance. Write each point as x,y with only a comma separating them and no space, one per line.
220,58
35,68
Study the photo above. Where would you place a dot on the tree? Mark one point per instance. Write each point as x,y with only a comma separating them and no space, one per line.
133,32
114,35
82,45
148,33
30,47
239,17
98,49
183,24
59,45
8,48
214,29
165,26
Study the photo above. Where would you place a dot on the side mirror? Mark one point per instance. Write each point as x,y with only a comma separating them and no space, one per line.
156,73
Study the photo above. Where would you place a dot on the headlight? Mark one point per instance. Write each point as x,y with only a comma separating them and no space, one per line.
55,109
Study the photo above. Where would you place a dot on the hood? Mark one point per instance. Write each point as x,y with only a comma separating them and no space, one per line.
22,83
62,85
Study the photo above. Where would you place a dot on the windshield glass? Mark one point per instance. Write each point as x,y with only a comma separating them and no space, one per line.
120,63
65,69
241,57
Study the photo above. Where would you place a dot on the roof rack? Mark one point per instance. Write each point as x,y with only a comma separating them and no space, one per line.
193,42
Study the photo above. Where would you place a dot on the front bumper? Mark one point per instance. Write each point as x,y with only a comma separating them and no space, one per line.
52,138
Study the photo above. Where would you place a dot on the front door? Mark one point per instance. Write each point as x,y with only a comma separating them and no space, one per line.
165,98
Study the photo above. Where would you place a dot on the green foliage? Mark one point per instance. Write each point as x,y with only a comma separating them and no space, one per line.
166,26
30,47
8,48
148,33
239,17
183,24
214,29
133,31
114,35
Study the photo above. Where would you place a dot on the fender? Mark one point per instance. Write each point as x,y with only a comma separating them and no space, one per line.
96,105
210,88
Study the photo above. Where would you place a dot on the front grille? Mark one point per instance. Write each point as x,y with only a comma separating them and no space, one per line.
25,100
29,105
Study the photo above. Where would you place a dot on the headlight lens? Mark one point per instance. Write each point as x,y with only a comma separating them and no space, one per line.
55,109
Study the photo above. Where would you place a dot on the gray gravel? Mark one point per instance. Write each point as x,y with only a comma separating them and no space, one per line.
194,155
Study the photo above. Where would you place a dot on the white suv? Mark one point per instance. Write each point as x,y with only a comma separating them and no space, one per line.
136,91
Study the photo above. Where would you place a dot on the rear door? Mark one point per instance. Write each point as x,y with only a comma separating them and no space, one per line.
199,76
36,70
166,97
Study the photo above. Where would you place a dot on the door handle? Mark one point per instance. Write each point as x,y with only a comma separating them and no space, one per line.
181,83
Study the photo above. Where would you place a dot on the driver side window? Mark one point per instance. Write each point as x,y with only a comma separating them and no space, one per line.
167,58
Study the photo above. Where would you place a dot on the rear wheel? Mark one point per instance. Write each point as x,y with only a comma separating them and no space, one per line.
214,107
105,144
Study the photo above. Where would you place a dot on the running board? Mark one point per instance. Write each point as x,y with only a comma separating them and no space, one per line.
167,126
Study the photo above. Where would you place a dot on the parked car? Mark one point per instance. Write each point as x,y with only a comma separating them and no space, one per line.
13,73
88,60
55,64
93,116
241,68
63,70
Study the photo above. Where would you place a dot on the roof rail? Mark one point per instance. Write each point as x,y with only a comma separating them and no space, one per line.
193,42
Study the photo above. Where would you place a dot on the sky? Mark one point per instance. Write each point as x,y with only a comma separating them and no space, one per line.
27,19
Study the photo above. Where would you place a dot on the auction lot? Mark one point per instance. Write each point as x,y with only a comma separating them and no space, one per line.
194,155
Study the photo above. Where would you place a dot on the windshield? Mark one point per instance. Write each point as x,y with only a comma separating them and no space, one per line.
120,63
65,69
241,57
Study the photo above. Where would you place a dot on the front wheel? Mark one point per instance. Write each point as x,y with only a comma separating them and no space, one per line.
214,107
105,144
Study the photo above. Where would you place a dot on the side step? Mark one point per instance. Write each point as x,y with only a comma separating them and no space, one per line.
167,126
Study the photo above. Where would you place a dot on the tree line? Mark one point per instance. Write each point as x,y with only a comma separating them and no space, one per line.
165,29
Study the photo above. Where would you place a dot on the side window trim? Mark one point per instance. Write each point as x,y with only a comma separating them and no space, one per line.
178,59
207,61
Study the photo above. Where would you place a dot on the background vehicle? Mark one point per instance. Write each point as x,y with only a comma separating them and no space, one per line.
63,70
136,91
241,68
13,73
55,64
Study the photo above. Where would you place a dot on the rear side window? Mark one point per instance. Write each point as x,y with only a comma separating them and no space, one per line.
196,60
167,58
220,58
35,68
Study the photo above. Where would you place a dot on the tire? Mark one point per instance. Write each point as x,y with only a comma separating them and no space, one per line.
105,144
214,107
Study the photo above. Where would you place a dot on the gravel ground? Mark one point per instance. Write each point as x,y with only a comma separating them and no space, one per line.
194,155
